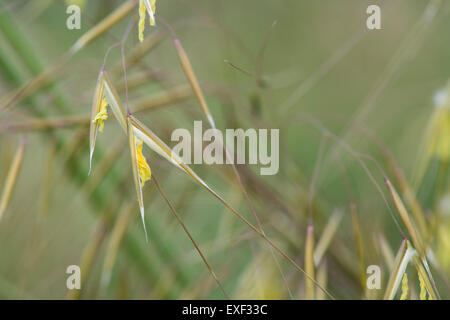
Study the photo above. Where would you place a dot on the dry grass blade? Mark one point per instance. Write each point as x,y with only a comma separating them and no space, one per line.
322,278
409,224
190,75
309,263
327,234
12,177
402,259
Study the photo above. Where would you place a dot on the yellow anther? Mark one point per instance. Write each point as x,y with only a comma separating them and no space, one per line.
144,169
102,114
404,287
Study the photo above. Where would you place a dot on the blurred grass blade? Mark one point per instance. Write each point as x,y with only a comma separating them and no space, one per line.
359,244
88,257
322,278
436,142
327,234
47,181
309,263
409,224
12,177
386,252
173,95
117,234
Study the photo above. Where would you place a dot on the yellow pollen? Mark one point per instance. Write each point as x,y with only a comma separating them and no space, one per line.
404,287
102,114
423,290
144,6
144,169
141,20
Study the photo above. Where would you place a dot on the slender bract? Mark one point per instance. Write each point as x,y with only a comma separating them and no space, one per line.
135,167
96,104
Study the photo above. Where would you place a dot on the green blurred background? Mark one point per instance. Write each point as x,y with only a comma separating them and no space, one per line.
317,61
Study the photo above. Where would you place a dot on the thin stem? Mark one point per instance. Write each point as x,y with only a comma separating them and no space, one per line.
177,216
